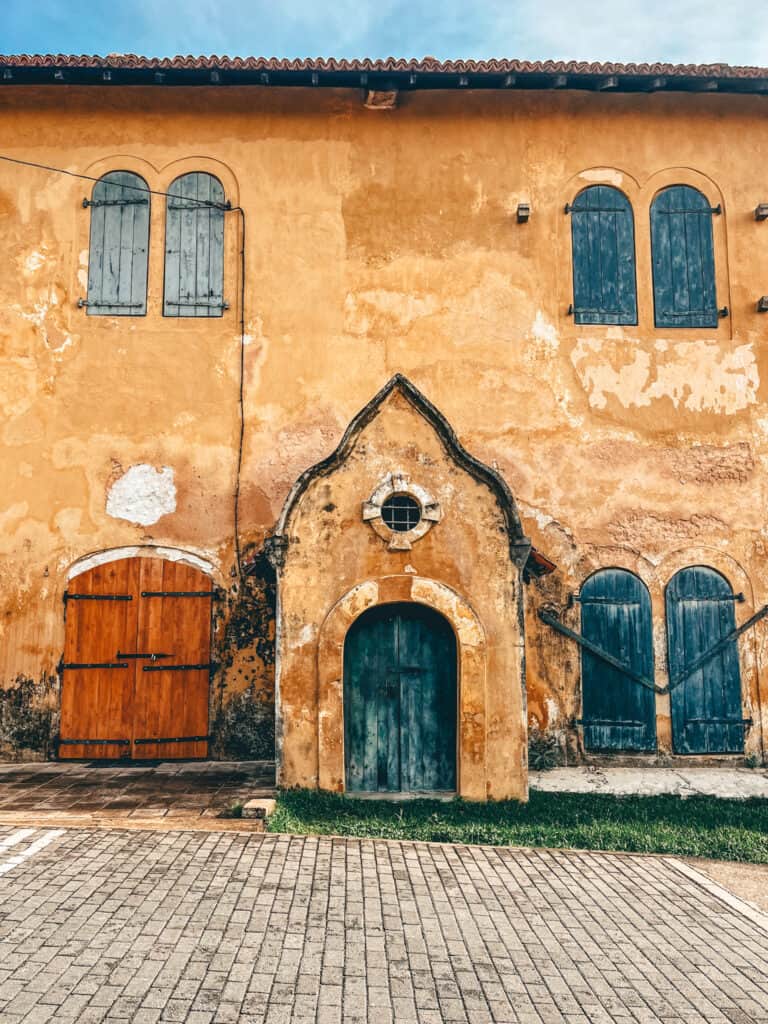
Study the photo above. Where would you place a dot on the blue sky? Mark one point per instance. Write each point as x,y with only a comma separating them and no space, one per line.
625,30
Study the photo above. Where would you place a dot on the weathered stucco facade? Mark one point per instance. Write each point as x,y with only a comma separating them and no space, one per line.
378,242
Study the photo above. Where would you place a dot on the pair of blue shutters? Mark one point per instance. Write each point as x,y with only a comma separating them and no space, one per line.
619,713
119,246
604,275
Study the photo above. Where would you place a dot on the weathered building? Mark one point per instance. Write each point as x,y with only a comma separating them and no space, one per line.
356,398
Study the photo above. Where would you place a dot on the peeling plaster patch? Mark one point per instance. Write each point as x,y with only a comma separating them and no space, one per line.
82,278
65,344
553,711
601,377
100,558
306,635
35,260
142,495
697,375
609,175
545,332
704,378
115,554
176,555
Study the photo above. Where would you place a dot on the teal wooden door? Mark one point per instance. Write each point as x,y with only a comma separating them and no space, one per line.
400,701
707,716
618,713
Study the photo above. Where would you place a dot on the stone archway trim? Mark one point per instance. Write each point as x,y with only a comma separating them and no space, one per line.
472,667
139,551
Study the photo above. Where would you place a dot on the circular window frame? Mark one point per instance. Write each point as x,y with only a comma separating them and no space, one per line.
395,484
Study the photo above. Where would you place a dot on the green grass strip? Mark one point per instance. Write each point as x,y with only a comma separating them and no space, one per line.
692,827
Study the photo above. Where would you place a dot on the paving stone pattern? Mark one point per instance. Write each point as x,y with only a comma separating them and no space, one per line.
208,928
157,789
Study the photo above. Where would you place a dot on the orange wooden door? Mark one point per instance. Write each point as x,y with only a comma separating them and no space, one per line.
136,662
98,684
171,702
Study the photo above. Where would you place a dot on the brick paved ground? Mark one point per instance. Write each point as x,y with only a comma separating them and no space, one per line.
164,789
206,927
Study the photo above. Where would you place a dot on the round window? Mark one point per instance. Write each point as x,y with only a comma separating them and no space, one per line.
401,512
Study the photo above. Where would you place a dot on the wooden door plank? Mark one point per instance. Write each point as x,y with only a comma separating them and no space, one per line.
96,702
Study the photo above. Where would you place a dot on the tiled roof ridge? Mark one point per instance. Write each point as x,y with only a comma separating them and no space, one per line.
428,65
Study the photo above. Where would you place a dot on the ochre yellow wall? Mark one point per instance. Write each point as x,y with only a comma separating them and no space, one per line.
381,242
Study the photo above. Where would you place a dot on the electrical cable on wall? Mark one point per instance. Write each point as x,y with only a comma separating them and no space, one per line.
241,382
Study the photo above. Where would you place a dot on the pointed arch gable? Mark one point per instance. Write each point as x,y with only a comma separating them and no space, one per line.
521,552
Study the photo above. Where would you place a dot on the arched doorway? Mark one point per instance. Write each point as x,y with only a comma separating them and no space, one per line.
400,701
618,713
136,666
707,715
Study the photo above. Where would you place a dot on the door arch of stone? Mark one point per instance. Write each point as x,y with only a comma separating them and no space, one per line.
400,701
136,665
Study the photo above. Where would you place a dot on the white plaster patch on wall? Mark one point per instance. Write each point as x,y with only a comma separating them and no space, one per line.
306,635
704,378
553,711
142,495
608,175
99,558
35,260
697,375
177,555
544,332
601,378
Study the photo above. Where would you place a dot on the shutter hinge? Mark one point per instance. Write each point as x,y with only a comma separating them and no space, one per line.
83,303
716,209
114,202
568,208
723,312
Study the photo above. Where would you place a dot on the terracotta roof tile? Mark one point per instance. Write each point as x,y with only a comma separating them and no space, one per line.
331,68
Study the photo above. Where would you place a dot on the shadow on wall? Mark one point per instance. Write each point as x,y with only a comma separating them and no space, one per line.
29,718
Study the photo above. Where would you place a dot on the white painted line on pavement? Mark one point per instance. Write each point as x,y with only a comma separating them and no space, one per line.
31,850
16,837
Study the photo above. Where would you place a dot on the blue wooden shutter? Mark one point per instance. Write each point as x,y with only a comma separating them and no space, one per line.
683,259
117,261
617,712
194,247
707,715
603,244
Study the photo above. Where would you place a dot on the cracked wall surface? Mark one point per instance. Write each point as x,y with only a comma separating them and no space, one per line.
378,243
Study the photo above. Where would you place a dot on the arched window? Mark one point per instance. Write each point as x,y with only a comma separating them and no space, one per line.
603,243
194,247
117,261
707,715
683,258
618,712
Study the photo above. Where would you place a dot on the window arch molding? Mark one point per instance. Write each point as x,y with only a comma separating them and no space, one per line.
118,244
193,278
603,256
651,188
628,186
223,173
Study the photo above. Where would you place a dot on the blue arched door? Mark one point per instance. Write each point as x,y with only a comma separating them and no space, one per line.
400,701
707,716
618,713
